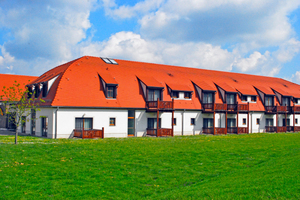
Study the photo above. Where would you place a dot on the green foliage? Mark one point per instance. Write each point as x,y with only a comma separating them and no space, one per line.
255,166
20,103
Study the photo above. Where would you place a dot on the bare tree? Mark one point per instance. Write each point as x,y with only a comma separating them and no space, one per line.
19,103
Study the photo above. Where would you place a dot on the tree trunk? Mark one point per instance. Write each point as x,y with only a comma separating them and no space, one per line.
16,136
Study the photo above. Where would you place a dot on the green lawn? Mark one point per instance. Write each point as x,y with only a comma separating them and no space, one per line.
255,166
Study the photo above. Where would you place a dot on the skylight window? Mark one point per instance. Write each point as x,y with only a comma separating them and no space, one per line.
109,61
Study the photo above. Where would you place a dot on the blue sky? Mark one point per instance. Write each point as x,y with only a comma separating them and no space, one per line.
247,36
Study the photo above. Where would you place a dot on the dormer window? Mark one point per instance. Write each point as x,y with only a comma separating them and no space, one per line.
208,97
29,94
269,101
187,95
244,98
111,92
253,98
45,89
109,86
230,98
154,94
285,101
175,94
37,90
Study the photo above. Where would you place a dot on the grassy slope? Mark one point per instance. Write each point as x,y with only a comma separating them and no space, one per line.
255,166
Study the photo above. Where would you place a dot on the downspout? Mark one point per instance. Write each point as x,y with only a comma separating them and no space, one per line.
182,122
56,122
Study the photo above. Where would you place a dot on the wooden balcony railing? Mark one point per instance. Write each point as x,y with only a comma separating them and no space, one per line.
294,109
232,107
93,133
271,128
160,105
281,108
220,131
243,107
281,129
237,130
290,129
297,129
220,106
270,109
208,130
162,132
208,106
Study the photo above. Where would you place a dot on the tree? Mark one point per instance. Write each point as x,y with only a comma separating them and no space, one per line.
19,103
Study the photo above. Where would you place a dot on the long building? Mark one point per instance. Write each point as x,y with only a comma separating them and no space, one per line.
127,98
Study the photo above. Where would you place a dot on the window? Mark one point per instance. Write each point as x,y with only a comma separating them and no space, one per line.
269,122
45,89
87,125
230,98
285,101
244,121
112,121
192,121
174,122
131,122
287,122
257,121
208,123
29,94
253,98
231,122
154,94
269,101
187,95
244,98
175,94
207,97
37,91
33,118
44,126
111,92
296,121
109,61
152,123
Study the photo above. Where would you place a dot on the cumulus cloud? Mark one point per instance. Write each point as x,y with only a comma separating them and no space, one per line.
44,30
128,45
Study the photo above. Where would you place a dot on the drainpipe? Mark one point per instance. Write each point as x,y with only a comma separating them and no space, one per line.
56,122
182,122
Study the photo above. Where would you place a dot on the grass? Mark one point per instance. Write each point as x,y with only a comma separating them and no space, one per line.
255,166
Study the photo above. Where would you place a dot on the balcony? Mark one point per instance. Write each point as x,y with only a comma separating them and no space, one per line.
211,130
237,130
161,132
281,129
93,133
220,107
276,109
160,105
294,109
290,129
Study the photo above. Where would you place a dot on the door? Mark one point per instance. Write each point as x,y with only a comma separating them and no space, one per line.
131,123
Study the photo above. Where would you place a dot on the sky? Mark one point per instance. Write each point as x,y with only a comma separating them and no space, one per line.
246,36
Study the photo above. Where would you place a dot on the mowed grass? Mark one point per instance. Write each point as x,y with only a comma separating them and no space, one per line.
254,166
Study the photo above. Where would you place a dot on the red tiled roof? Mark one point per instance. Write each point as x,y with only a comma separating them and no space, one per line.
8,80
108,78
78,83
267,90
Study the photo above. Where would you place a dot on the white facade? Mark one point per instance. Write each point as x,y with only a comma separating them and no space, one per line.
61,121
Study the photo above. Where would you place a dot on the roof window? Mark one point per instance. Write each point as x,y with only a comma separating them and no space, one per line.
109,61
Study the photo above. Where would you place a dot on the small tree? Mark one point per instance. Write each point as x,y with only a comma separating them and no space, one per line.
19,103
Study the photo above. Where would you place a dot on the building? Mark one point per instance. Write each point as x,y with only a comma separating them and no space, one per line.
136,99
8,80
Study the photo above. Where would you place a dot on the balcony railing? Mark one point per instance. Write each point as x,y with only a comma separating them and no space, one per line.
93,133
232,107
243,107
160,105
211,130
297,129
270,109
281,129
208,106
290,129
208,130
220,106
281,108
237,130
161,132
220,131
271,128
